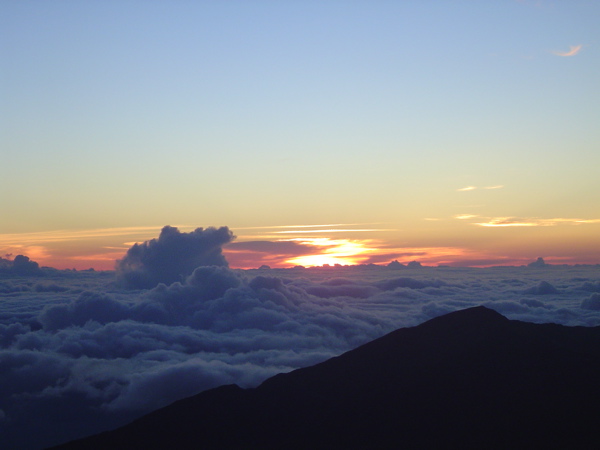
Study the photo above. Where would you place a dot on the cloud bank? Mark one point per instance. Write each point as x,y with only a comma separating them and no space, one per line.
79,353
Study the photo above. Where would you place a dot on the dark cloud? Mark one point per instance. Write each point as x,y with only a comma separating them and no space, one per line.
173,256
252,254
537,263
21,265
50,287
543,288
7,287
89,306
533,303
592,302
410,283
591,287
347,289
396,265
387,257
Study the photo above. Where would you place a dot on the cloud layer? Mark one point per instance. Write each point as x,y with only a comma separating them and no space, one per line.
95,355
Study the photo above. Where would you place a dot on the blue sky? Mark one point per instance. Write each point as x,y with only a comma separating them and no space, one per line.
258,114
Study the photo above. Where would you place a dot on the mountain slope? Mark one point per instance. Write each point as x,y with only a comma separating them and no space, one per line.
471,378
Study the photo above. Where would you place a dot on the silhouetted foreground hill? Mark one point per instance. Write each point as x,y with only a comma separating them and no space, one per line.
468,379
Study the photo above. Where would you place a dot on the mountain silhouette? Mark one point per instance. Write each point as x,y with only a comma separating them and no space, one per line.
468,379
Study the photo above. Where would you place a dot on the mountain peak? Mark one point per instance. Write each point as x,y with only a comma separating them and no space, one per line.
471,378
476,315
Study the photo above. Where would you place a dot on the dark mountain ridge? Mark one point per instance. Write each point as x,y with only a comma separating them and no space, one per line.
471,378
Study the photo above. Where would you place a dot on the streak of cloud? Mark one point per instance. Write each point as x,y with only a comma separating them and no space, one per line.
472,188
465,216
573,50
339,230
71,235
269,227
533,222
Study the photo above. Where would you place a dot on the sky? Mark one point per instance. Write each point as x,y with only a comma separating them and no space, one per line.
454,133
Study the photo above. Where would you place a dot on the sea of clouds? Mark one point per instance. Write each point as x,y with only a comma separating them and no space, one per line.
81,352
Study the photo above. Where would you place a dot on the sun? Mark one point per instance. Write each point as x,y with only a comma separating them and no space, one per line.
330,252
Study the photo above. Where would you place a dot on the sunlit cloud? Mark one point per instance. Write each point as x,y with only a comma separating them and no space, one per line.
72,235
276,232
507,222
270,227
472,188
465,216
573,50
340,230
533,222
35,252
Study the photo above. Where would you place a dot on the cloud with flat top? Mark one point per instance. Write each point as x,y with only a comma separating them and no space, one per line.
573,50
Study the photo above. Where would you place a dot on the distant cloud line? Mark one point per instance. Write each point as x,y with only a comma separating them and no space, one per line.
276,246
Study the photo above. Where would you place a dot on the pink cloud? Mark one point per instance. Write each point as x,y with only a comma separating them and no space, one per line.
573,50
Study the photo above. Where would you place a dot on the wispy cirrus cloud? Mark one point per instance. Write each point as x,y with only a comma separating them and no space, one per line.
71,235
333,230
532,222
291,231
508,222
573,50
465,216
472,188
272,227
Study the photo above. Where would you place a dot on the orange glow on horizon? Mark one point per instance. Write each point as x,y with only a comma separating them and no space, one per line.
331,252
100,248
